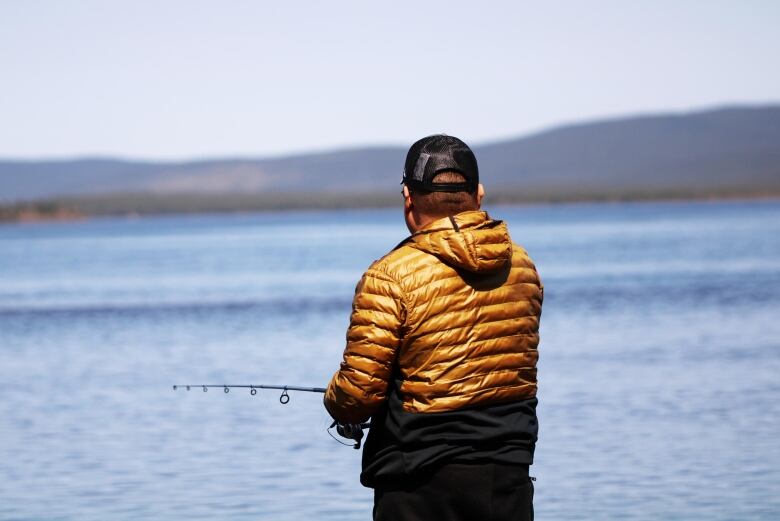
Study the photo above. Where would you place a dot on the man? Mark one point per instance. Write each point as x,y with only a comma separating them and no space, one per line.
441,354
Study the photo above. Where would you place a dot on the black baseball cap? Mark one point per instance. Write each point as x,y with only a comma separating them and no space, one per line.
440,153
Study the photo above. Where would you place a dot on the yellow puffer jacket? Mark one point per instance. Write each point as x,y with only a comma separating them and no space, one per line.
454,311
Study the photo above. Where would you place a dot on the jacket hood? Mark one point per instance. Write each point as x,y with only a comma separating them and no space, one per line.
470,240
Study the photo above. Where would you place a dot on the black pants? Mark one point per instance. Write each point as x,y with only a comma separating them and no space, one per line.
478,492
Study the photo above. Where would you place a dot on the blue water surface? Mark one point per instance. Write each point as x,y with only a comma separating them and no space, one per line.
659,370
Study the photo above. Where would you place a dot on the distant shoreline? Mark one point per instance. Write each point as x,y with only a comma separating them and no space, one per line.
143,205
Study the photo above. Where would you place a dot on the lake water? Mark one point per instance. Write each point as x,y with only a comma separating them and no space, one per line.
659,371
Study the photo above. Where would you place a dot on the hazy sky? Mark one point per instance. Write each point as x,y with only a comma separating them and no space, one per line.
180,79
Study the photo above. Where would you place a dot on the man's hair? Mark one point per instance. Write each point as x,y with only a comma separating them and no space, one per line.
444,204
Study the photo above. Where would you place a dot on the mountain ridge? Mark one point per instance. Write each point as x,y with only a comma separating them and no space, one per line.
733,148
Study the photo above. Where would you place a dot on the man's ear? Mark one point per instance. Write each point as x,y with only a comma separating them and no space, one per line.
480,194
407,199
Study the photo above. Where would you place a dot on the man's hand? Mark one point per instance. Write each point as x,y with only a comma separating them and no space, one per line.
351,431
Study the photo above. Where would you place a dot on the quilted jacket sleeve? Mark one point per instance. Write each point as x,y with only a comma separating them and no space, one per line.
360,385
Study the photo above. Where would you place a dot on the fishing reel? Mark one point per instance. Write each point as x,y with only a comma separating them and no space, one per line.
350,431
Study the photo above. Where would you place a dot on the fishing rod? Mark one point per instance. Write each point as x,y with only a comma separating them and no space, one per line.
351,431
284,398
